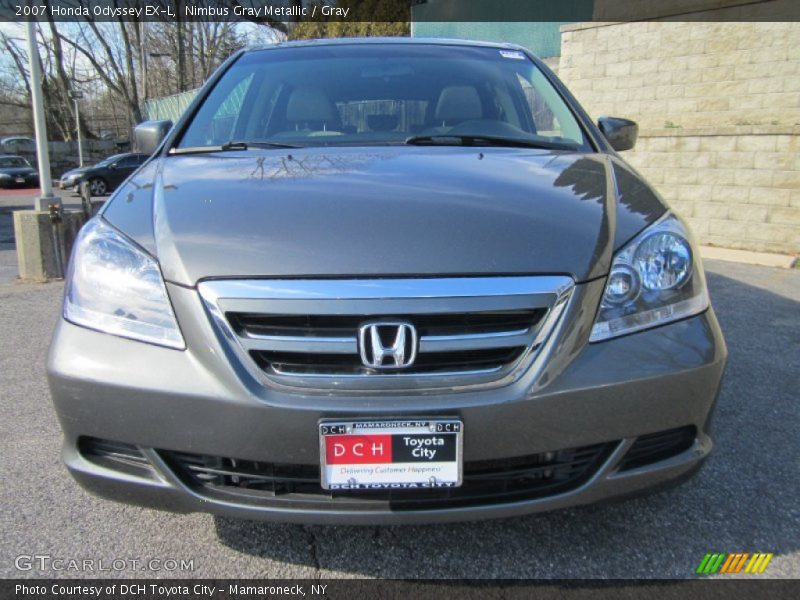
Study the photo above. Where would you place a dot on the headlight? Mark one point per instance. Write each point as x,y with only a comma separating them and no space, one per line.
653,280
115,287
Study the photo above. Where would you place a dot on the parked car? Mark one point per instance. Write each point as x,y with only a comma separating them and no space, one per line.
69,180
105,176
15,171
384,281
18,145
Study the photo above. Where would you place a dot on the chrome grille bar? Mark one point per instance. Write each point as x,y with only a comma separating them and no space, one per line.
475,341
316,345
349,345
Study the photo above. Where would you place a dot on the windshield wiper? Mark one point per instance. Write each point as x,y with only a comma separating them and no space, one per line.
449,139
229,146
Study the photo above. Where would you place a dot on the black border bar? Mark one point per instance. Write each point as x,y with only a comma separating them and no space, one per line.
295,11
334,589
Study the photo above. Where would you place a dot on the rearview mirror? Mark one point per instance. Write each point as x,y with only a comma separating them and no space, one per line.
149,135
620,133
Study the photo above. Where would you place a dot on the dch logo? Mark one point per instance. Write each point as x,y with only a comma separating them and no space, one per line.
358,449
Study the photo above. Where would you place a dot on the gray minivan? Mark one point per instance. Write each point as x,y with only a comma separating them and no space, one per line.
384,281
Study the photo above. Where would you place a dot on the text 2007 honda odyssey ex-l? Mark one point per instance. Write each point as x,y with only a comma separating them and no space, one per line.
384,281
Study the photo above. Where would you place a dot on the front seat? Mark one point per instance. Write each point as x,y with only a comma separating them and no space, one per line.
458,103
309,109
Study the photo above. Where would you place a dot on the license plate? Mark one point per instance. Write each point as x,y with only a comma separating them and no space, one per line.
391,454
20,180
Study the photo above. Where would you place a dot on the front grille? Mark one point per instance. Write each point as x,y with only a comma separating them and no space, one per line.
654,447
452,362
449,343
468,331
118,456
485,482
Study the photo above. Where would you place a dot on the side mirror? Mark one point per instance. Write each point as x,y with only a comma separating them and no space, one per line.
620,133
149,135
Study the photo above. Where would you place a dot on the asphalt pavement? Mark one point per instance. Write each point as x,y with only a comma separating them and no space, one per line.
745,499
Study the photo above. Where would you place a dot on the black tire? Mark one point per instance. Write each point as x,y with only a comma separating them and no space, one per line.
98,186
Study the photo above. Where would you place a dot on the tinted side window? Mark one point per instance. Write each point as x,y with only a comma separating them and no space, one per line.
128,162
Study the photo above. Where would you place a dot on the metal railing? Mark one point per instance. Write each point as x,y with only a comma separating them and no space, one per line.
168,107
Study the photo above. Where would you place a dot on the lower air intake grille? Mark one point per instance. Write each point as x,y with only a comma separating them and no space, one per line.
485,482
654,447
118,456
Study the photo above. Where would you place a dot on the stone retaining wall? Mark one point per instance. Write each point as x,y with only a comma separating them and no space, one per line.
718,105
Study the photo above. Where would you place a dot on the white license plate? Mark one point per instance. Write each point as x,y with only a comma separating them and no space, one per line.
20,180
391,454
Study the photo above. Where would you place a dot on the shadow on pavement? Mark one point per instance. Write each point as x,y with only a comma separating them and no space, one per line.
7,220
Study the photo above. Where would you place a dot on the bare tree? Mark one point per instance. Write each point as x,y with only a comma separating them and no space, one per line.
60,83
204,47
123,57
58,71
109,48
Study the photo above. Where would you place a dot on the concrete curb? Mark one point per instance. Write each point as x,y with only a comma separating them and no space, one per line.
766,259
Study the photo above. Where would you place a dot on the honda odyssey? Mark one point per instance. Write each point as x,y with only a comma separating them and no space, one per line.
384,281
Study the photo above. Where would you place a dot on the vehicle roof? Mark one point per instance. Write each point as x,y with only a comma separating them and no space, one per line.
124,154
417,41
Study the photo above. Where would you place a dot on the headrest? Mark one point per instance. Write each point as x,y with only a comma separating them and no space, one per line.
310,104
459,103
382,122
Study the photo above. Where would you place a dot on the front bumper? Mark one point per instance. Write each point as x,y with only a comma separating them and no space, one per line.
27,181
201,401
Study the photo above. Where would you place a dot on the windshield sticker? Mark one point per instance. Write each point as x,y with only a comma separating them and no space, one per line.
512,54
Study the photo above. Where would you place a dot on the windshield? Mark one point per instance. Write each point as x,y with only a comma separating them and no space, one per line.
379,94
13,161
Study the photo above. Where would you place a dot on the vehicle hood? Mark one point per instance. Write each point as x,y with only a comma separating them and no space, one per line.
75,172
381,211
18,171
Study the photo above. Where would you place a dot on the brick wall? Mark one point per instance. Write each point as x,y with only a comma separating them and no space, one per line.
718,105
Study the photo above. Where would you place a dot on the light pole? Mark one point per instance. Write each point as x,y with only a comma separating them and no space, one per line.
77,95
143,60
47,198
